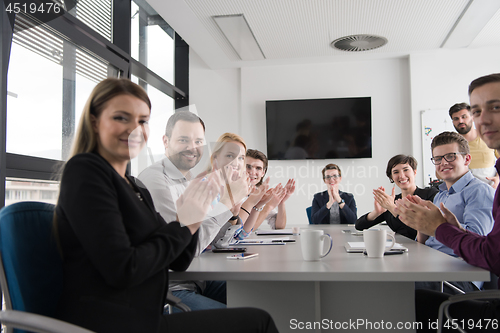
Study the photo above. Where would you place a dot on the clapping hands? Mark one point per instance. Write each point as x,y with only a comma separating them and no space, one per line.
194,203
384,200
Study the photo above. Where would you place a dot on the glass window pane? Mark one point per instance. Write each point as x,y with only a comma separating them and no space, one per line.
162,107
17,190
96,14
152,41
46,97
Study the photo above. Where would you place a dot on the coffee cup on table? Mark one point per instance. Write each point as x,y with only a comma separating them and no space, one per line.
312,242
376,242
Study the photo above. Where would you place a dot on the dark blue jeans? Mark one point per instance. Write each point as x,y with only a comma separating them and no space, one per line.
213,297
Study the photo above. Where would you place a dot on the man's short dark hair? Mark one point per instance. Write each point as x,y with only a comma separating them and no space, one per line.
181,115
451,137
258,155
458,107
480,81
400,159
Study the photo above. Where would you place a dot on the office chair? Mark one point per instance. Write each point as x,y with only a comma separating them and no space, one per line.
31,270
308,212
36,323
490,291
474,295
492,284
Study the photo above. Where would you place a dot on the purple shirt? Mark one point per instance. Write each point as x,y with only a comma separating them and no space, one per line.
482,251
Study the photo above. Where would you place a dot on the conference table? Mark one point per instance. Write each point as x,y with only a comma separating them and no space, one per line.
343,291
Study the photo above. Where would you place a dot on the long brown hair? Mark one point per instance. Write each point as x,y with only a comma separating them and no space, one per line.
85,139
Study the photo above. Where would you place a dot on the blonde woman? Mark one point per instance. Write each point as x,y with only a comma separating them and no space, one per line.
229,154
116,249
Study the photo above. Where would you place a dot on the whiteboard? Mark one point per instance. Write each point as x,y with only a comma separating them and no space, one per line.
433,123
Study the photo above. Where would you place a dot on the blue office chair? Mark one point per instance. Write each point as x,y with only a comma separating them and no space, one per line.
308,212
31,270
36,323
32,274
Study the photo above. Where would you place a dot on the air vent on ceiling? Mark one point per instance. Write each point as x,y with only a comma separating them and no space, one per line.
357,43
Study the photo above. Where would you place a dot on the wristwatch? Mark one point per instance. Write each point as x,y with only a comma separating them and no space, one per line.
341,202
235,217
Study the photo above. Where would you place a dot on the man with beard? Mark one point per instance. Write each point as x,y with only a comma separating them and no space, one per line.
166,180
483,158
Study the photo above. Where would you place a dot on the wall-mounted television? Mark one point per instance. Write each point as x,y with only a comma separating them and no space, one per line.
319,128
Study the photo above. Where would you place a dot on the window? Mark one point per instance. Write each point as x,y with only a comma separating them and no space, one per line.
53,67
96,14
162,107
17,190
152,40
60,78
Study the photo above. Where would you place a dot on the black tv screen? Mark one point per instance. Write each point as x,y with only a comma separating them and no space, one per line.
319,128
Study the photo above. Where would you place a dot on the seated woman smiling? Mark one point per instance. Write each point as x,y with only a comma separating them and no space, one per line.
401,170
117,250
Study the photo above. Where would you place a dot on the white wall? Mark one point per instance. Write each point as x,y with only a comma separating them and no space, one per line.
234,100
216,95
441,78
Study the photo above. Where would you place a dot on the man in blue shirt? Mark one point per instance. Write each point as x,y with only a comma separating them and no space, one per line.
468,198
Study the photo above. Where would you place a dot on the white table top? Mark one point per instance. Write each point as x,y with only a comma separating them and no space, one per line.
285,263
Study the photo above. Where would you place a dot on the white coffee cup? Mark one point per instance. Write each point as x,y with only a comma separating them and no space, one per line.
312,244
376,241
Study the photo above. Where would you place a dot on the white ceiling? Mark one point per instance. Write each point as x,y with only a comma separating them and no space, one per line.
300,31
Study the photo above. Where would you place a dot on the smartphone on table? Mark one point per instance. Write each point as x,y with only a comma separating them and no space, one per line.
230,249
243,256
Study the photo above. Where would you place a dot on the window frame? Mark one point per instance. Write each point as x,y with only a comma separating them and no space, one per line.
117,53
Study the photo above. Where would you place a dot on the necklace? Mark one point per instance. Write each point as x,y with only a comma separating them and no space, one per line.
134,189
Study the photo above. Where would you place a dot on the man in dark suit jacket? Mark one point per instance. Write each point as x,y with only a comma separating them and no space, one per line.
333,206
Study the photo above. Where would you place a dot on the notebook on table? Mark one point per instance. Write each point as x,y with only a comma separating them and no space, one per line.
359,247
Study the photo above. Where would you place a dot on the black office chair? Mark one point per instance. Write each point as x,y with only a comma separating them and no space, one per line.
470,296
490,291
492,284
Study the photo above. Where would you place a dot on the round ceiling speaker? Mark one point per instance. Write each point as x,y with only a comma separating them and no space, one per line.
357,43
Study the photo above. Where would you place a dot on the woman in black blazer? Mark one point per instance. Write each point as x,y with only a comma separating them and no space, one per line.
116,249
401,170
333,206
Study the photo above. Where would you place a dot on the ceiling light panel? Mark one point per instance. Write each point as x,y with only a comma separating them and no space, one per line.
240,35
287,29
474,19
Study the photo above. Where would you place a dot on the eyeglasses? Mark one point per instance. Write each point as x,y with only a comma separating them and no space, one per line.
436,160
330,177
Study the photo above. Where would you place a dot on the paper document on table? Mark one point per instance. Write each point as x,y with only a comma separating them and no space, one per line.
274,232
358,247
268,241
